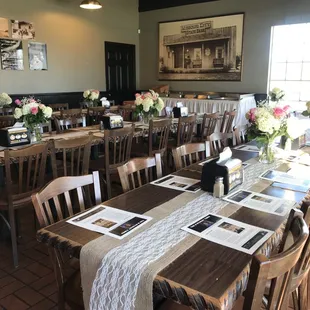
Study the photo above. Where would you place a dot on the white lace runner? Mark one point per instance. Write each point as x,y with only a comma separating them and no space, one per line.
118,277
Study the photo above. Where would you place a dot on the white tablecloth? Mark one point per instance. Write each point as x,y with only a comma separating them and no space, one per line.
211,106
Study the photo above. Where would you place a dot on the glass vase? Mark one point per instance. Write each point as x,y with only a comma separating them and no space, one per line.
267,153
36,134
146,118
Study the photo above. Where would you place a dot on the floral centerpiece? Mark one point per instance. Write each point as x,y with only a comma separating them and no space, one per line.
307,112
276,94
266,124
33,113
91,96
5,100
148,105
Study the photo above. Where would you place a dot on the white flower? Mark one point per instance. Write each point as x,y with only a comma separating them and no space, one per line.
147,103
26,109
154,95
47,111
94,95
86,94
138,100
18,113
5,99
159,105
294,130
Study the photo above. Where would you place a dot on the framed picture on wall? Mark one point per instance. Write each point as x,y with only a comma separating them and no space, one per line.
202,49
4,28
22,30
12,57
37,53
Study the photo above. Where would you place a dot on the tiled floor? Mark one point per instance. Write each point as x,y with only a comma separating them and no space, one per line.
32,285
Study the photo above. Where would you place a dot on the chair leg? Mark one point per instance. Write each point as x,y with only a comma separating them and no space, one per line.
13,235
295,300
303,295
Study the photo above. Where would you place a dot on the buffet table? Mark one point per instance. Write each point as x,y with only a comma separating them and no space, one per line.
241,105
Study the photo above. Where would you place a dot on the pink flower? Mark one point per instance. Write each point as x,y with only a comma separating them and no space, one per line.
278,112
286,108
32,100
251,115
34,110
137,95
18,102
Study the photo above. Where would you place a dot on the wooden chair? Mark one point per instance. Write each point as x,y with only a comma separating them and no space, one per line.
191,153
300,286
6,111
217,141
59,106
139,171
63,124
94,115
24,175
117,149
208,125
240,135
46,127
185,131
7,121
54,203
126,111
227,122
278,269
70,157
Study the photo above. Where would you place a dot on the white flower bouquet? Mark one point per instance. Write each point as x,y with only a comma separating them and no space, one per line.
32,112
149,104
266,124
5,100
276,94
92,95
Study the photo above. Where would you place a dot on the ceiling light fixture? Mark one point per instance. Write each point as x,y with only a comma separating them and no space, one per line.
90,5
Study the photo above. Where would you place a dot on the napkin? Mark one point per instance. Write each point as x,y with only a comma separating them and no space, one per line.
225,155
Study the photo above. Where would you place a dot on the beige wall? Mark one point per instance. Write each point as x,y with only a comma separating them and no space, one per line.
260,16
75,42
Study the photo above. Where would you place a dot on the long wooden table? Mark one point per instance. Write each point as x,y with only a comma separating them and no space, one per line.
208,275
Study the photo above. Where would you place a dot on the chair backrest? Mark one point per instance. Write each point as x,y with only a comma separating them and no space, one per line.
208,125
55,202
70,157
278,269
218,141
227,122
117,149
240,135
186,127
27,173
59,106
190,153
70,113
139,171
126,111
7,121
117,145
303,266
7,111
63,124
158,136
95,114
46,127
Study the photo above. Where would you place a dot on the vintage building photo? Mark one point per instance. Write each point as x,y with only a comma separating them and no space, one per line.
201,49
12,57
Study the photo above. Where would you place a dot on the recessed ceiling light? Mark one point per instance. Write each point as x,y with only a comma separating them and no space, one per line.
90,5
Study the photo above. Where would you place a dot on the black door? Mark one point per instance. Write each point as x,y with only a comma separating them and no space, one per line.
120,62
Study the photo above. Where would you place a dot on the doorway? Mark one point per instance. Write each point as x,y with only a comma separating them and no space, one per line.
120,60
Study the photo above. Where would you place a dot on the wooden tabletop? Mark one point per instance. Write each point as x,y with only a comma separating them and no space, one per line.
204,276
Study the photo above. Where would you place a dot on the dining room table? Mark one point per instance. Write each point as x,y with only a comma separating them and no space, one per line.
206,275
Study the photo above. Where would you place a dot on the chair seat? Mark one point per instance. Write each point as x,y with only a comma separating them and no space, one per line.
73,291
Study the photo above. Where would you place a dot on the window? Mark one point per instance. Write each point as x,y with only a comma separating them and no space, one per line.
290,62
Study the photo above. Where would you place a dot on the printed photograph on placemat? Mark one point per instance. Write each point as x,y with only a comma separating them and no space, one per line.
104,223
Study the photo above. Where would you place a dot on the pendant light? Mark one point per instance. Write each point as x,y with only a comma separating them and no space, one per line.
90,5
